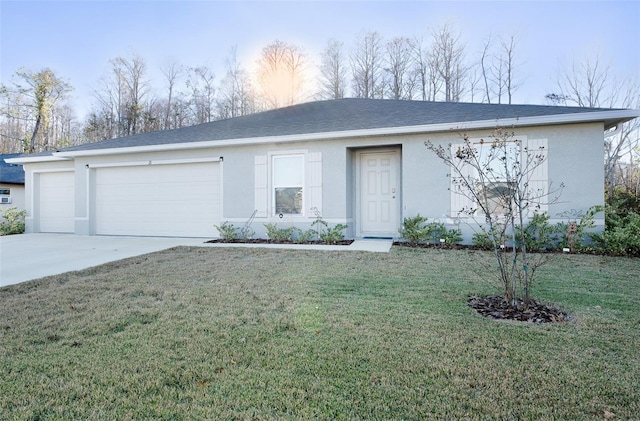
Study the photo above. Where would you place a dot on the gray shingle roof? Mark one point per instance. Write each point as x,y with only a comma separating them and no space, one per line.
332,116
11,173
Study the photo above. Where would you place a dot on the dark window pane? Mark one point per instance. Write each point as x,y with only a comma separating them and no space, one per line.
289,200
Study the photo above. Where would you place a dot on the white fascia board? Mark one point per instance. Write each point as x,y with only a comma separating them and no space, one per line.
30,159
618,115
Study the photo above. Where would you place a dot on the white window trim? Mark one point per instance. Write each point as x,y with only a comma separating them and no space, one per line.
264,192
272,185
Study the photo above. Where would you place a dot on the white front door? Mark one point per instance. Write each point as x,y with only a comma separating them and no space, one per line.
379,193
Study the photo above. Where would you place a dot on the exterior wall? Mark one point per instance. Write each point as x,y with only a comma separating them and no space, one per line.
575,159
17,196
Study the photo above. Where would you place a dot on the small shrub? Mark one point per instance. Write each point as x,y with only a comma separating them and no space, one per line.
279,234
539,235
227,231
484,239
572,234
320,226
437,231
12,221
621,236
304,236
413,229
333,235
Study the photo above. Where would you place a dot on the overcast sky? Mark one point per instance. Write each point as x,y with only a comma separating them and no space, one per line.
78,38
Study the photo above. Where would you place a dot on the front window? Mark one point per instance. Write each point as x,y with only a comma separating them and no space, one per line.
288,181
498,161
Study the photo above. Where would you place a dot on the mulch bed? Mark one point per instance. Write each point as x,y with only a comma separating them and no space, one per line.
266,241
498,308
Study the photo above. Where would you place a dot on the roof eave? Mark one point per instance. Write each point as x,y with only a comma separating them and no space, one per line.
31,159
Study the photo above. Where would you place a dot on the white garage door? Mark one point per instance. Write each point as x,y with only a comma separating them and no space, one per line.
175,200
56,202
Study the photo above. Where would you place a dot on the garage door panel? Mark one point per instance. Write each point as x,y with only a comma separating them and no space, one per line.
163,200
56,202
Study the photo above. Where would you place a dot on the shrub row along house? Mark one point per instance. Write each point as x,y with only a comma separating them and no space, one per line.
358,162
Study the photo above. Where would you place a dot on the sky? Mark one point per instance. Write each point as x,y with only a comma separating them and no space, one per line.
76,39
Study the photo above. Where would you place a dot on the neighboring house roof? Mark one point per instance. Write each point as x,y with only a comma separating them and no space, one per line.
11,173
350,118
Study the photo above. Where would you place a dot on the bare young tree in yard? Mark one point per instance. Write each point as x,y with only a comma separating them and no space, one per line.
281,77
499,178
333,71
38,98
366,66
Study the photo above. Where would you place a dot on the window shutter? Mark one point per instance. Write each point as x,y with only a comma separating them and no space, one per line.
458,200
539,178
314,183
261,187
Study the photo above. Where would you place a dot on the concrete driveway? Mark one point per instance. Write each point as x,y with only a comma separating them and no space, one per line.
31,256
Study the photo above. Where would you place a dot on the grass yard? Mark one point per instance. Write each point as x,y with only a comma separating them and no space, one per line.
215,333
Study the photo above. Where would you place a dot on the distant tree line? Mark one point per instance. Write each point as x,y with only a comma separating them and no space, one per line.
35,114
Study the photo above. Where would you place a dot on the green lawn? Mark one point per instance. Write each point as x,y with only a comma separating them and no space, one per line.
214,333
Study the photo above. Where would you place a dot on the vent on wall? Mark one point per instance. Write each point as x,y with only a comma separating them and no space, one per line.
5,200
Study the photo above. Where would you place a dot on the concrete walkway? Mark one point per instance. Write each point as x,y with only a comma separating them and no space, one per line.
31,256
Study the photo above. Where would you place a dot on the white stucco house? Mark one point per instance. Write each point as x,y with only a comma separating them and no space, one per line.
11,183
354,161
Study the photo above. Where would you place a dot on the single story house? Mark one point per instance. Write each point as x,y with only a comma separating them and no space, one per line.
358,162
11,183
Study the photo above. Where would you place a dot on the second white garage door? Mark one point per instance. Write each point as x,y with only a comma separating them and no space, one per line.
175,200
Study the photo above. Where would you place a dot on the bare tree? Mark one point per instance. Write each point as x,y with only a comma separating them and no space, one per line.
38,97
497,175
421,67
282,74
590,83
236,95
121,98
586,83
484,65
400,69
448,61
171,71
498,65
133,73
200,82
508,47
333,71
366,66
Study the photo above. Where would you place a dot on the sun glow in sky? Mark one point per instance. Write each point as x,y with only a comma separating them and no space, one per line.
76,39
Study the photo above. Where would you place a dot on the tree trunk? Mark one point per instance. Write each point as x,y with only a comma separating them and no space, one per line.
36,129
